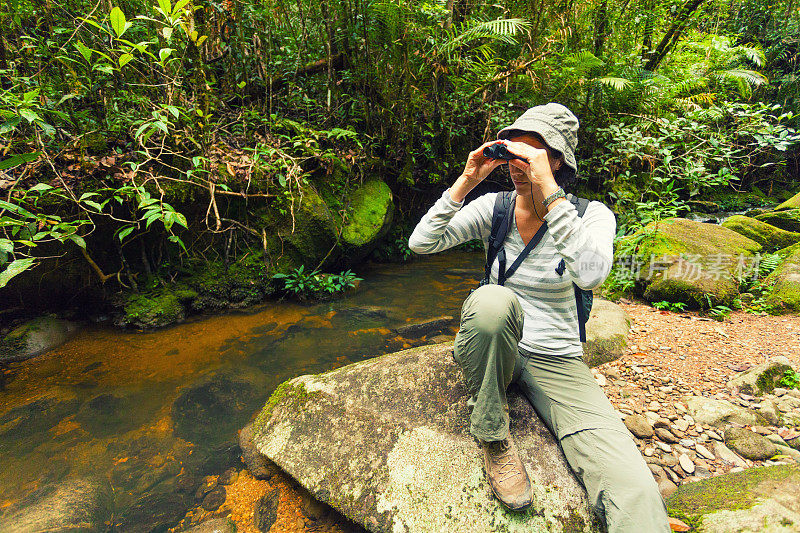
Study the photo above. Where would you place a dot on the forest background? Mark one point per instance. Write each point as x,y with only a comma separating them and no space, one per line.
145,144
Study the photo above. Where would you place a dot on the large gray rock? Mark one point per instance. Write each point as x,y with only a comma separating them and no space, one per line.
749,445
386,442
761,378
74,505
606,333
35,337
758,499
720,413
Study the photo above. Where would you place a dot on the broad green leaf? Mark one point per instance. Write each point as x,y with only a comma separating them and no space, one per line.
124,232
6,246
18,159
29,115
180,219
166,7
77,239
140,129
16,267
85,51
164,53
160,125
166,31
86,195
118,21
124,59
30,96
10,125
94,205
104,67
174,110
180,5
15,209
202,39
40,187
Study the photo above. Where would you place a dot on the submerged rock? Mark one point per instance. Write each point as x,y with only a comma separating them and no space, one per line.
84,504
758,499
386,442
35,337
606,333
425,327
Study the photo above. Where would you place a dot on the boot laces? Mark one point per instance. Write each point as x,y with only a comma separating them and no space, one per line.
505,460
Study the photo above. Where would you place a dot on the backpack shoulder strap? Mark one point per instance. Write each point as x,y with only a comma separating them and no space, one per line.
583,298
501,221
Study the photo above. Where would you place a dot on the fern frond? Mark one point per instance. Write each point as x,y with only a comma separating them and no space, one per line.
618,84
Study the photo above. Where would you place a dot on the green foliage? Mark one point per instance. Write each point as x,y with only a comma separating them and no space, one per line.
790,380
675,307
314,285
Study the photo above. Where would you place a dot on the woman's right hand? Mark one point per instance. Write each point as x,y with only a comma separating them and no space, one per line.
475,171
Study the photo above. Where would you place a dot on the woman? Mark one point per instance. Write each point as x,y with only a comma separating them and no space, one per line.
526,331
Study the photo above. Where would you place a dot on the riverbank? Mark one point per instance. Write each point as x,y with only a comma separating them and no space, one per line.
670,356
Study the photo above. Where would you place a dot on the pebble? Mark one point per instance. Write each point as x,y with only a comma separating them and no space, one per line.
600,379
713,434
648,451
779,391
688,443
664,435
681,424
704,452
654,406
663,446
686,463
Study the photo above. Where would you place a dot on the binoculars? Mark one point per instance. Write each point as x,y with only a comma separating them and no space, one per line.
499,151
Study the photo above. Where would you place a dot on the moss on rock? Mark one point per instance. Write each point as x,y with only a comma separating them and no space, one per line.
791,203
687,261
787,219
729,492
785,279
152,310
771,238
370,213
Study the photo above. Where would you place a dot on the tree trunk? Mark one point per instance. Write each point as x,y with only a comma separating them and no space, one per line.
673,34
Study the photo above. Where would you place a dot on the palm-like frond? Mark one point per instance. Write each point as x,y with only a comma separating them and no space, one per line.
618,84
502,30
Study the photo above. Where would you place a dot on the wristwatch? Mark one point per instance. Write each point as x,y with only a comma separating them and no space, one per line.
553,197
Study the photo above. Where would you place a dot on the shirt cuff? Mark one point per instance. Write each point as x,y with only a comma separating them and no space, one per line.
559,211
449,202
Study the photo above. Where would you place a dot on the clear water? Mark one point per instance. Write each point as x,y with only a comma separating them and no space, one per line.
151,413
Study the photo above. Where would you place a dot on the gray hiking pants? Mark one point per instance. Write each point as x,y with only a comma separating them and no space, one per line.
562,390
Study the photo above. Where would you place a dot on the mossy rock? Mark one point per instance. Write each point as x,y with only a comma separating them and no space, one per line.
686,261
369,217
703,206
785,295
771,238
151,310
788,219
791,203
757,499
35,337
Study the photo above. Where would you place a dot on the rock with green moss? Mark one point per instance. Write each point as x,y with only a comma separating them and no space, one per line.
35,337
368,218
788,219
768,236
386,442
151,310
785,282
606,333
720,413
759,499
791,203
686,261
761,379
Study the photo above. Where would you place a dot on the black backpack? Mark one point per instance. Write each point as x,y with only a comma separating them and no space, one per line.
501,221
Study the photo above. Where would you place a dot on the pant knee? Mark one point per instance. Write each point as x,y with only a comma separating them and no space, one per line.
492,309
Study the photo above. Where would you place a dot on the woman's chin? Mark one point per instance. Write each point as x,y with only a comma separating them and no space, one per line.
523,188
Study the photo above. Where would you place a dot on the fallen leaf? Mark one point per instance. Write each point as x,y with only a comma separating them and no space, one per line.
231,170
677,525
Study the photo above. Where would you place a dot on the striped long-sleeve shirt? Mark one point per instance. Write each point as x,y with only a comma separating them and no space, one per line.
547,297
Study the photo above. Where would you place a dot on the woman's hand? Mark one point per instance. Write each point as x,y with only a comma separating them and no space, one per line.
537,169
475,171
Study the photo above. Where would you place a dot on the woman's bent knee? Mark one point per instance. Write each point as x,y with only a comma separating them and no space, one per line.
491,309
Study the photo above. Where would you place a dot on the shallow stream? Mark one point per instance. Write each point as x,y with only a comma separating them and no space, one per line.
146,415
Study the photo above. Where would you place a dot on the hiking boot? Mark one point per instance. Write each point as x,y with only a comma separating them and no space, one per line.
506,474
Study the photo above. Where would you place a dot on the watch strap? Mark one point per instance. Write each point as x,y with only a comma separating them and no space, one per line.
559,193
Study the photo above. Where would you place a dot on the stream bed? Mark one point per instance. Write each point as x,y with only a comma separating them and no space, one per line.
136,420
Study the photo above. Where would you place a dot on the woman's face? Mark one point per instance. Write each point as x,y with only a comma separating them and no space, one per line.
518,177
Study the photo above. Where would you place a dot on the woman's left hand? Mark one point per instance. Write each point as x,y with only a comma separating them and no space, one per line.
537,169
